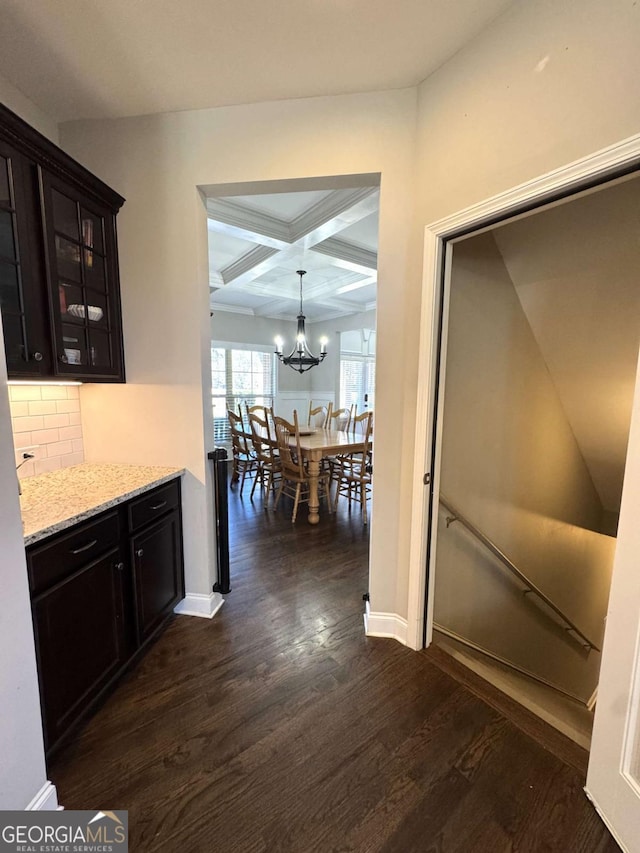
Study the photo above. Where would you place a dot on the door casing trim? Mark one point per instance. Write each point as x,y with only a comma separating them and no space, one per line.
588,172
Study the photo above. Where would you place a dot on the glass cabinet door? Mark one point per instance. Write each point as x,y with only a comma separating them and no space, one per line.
83,282
22,346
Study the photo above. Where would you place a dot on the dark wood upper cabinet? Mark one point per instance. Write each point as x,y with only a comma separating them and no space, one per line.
23,291
82,275
59,284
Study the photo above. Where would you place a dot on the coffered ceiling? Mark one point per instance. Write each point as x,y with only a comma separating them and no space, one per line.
110,58
256,244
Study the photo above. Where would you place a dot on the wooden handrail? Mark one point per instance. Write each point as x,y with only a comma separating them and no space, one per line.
570,627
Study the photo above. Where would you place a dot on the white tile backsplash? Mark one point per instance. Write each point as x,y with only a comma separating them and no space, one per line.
46,420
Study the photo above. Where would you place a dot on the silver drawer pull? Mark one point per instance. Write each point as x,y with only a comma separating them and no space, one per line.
139,552
119,566
158,506
85,547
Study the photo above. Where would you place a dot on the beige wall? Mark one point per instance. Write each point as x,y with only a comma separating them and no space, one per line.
512,466
506,442
545,84
157,163
27,110
497,114
575,271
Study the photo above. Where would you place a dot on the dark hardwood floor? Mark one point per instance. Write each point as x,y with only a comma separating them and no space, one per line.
278,726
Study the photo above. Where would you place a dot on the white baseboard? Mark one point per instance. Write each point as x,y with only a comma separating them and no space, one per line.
46,800
196,604
385,625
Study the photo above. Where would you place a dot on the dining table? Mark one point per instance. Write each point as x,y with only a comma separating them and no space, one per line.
316,444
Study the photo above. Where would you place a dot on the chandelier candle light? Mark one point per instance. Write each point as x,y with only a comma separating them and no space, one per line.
301,358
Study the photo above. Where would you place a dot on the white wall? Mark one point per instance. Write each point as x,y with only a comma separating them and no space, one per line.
260,331
294,390
325,382
22,764
22,767
157,162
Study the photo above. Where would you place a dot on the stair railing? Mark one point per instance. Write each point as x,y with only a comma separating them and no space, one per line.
530,588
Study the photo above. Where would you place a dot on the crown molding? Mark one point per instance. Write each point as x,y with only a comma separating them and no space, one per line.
231,309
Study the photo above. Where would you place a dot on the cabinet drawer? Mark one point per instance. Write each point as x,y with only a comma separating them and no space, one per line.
50,563
153,505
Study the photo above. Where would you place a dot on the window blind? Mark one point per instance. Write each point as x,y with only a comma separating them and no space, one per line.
239,378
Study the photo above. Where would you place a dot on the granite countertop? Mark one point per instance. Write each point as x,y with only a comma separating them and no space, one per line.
52,502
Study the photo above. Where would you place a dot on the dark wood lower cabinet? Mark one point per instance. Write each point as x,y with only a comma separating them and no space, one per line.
80,639
100,592
154,554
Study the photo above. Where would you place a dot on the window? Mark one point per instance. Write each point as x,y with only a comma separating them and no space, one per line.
357,381
239,377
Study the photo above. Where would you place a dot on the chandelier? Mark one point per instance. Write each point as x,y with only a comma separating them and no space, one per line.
301,358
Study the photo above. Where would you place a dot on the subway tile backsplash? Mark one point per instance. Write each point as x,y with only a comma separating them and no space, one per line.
46,422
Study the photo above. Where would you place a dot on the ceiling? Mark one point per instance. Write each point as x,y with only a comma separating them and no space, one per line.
257,242
80,59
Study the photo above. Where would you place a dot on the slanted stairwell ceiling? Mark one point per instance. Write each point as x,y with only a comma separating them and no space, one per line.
576,269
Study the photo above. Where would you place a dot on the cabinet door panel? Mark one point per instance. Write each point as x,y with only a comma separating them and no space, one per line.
83,281
157,571
9,287
65,215
79,640
19,265
7,242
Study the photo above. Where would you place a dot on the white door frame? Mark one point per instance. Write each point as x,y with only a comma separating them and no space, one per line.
617,717
554,185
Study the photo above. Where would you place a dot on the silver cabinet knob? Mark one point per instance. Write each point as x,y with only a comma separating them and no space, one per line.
37,356
119,566
64,359
139,552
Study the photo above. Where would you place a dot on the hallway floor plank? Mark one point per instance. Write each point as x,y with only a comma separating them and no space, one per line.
278,726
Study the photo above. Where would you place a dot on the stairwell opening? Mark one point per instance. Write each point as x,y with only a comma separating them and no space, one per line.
541,328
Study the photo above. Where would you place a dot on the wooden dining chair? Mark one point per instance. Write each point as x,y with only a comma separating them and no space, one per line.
317,416
261,411
294,473
264,450
244,459
351,472
339,419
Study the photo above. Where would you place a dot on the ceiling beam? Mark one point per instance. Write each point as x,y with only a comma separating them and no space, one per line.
348,256
229,217
326,218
